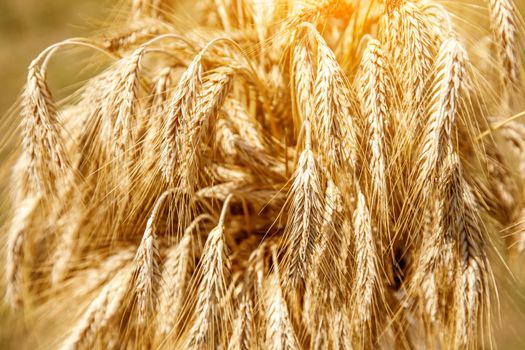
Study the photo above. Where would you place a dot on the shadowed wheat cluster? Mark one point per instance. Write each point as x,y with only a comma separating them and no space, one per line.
274,175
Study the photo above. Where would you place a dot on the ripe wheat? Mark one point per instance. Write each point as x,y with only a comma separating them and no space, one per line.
275,175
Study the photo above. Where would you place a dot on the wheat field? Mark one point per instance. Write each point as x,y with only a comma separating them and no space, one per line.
277,174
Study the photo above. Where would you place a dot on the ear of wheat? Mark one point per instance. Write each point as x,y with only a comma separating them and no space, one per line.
276,175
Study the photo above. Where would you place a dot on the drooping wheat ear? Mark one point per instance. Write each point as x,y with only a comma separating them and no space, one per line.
367,284
312,11
177,269
453,264
196,128
243,335
280,334
374,100
439,21
20,227
475,275
505,31
42,142
195,133
101,313
135,33
409,45
425,279
321,294
100,274
157,110
252,132
435,270
503,186
336,131
122,103
304,215
235,145
146,272
325,267
180,107
444,105
303,81
215,274
340,330
66,246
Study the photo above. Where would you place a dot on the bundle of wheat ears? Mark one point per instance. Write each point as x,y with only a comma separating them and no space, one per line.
274,175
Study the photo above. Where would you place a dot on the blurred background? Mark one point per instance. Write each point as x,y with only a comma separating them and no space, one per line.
26,28
29,26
